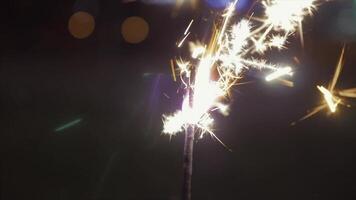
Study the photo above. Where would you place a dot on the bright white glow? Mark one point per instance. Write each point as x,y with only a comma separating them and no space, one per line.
279,72
223,108
278,42
184,67
329,98
286,14
231,51
196,49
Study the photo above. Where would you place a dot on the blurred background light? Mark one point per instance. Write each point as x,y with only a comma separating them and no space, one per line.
81,25
221,4
134,29
159,2
215,4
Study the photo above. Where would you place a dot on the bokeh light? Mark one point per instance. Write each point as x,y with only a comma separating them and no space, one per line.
222,4
81,25
159,2
134,29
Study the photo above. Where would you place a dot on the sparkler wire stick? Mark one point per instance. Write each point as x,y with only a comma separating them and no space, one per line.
188,162
188,152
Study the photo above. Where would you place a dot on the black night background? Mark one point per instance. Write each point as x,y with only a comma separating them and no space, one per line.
82,118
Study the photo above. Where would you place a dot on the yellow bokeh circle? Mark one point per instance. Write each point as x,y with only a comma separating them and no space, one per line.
134,29
81,25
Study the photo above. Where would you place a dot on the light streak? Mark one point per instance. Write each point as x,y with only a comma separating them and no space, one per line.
338,70
183,40
187,29
186,34
350,93
227,16
286,82
173,71
68,125
279,72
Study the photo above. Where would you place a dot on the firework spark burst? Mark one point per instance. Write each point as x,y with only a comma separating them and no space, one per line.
233,49
286,16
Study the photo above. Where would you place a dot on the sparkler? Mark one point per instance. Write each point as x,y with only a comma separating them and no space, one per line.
332,97
233,49
230,53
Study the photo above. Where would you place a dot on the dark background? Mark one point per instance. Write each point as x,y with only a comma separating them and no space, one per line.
48,78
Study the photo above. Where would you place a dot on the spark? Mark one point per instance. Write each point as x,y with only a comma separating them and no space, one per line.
173,71
332,97
286,82
279,72
173,123
233,49
197,49
183,40
186,34
338,70
282,16
329,98
184,67
351,93
223,108
278,42
227,16
166,95
287,14
187,29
